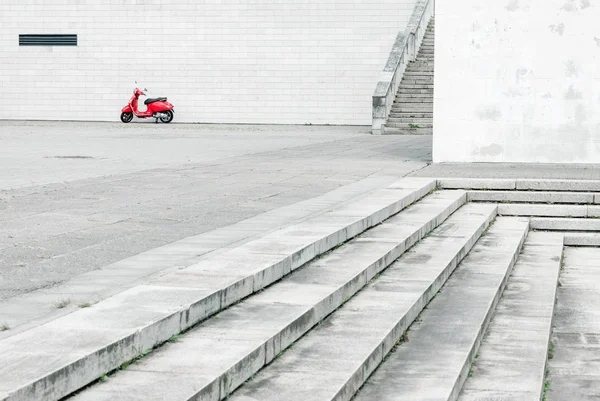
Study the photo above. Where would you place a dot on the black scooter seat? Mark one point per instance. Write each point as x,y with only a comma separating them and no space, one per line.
156,99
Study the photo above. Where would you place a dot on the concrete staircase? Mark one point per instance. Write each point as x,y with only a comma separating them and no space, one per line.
425,290
412,111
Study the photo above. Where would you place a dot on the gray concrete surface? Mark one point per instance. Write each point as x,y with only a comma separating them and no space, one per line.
532,197
515,347
573,366
252,333
78,196
35,307
336,358
435,360
512,170
121,327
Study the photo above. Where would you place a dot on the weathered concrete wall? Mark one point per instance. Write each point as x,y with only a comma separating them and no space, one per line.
517,81
266,61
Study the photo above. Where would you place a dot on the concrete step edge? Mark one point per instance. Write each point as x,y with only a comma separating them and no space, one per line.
557,185
182,307
409,228
565,224
510,329
548,197
356,313
428,359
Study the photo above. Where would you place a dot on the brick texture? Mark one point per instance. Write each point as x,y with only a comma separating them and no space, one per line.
236,61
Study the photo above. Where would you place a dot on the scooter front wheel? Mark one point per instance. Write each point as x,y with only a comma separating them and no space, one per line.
168,118
126,117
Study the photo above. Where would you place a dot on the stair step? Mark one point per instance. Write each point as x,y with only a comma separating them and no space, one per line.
435,360
417,80
40,364
252,333
366,328
408,91
404,99
413,107
532,197
418,83
393,124
573,369
416,112
412,116
415,86
565,224
402,131
418,121
416,95
425,74
530,209
520,329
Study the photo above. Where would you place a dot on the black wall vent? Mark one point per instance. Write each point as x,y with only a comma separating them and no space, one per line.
47,40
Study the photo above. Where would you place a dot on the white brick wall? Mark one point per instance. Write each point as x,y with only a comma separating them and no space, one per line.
246,61
517,81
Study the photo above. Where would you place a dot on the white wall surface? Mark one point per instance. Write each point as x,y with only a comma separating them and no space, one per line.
517,81
246,61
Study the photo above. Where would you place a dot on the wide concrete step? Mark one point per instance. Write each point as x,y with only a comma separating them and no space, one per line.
421,67
406,131
526,184
425,74
581,239
573,369
426,86
428,116
434,359
408,125
417,70
403,99
515,347
423,96
335,359
544,210
231,347
411,107
534,197
421,82
419,121
425,106
37,307
416,91
54,359
565,224
421,64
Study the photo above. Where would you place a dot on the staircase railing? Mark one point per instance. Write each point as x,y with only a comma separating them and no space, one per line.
405,50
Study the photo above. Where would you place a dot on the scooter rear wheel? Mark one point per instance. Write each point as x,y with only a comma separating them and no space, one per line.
168,118
126,117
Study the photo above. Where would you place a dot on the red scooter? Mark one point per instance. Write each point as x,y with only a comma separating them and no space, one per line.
158,108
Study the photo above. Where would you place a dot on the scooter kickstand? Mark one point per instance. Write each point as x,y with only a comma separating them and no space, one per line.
156,121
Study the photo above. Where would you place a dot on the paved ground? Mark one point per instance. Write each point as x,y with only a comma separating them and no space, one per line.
78,196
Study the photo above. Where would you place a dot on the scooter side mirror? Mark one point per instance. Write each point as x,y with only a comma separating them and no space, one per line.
145,90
